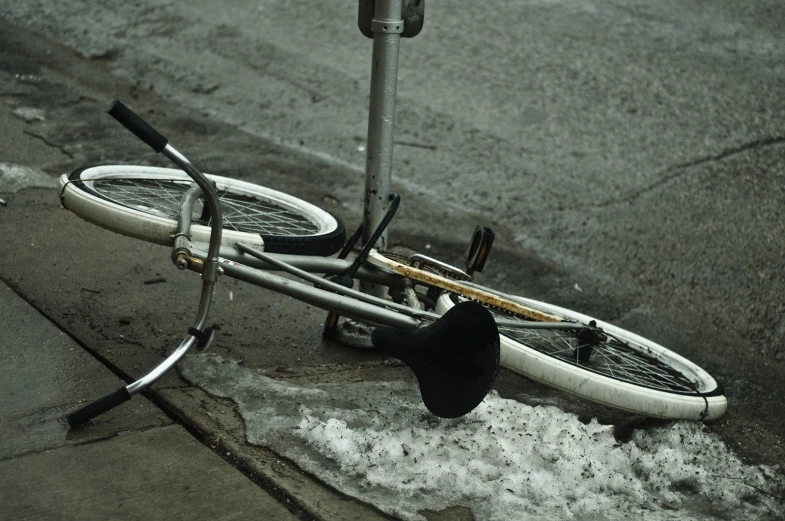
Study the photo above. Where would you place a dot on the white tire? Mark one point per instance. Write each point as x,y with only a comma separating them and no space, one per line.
143,202
626,371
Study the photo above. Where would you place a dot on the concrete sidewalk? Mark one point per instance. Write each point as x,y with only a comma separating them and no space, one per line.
131,463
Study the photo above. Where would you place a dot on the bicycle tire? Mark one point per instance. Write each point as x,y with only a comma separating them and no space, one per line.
143,202
626,371
692,394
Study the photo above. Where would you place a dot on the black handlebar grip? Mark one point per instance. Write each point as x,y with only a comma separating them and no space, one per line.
98,407
137,125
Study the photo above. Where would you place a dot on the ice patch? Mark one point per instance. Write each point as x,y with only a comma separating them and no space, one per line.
15,177
505,460
29,114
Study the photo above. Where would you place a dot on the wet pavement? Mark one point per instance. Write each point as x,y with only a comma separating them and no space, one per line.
83,318
132,463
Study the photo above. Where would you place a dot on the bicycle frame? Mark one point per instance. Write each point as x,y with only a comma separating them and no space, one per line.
249,265
252,266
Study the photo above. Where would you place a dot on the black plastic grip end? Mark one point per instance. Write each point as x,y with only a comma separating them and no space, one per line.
98,407
137,125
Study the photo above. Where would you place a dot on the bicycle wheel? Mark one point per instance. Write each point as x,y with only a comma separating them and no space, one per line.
144,201
624,370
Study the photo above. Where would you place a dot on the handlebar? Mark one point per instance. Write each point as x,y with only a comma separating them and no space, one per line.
98,407
197,334
137,125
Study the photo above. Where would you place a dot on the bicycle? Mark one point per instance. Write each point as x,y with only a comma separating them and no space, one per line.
453,333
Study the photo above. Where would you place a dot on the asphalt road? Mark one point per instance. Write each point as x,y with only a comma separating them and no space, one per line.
623,141
632,150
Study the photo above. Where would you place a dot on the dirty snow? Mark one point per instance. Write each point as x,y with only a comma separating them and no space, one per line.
15,177
505,460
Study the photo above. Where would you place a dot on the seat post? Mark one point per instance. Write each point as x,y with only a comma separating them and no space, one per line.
387,25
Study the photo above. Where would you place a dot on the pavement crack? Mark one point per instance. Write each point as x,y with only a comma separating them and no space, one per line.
118,435
229,454
671,173
34,452
48,143
117,371
90,441
212,442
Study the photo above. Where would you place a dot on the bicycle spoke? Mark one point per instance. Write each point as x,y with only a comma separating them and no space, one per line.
610,357
240,213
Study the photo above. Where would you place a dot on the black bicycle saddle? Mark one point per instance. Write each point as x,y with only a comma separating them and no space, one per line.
455,359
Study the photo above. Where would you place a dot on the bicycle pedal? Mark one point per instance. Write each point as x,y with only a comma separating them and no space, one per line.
479,249
352,333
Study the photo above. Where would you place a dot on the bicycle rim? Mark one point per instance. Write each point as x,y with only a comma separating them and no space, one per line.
625,370
144,202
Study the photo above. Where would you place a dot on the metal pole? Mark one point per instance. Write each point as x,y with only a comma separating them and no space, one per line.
387,28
